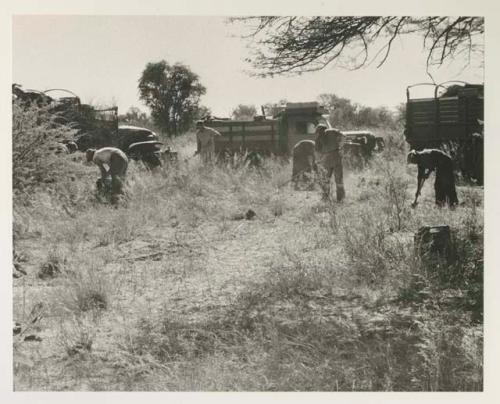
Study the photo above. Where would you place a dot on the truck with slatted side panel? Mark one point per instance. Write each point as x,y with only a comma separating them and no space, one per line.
451,119
277,135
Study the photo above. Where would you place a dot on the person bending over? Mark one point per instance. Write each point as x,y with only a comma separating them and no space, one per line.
429,160
117,162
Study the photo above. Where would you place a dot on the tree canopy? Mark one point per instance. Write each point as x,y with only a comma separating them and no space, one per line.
299,44
345,114
244,112
172,92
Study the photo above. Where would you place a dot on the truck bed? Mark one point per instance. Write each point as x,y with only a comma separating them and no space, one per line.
239,136
437,120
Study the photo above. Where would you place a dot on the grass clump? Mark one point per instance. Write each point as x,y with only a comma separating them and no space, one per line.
53,265
77,334
86,290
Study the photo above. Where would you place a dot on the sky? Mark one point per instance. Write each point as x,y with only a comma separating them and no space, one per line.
101,58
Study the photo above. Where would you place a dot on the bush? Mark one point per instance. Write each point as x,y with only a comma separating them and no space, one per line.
371,248
395,200
34,133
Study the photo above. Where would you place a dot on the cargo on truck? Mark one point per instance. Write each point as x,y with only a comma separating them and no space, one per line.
94,127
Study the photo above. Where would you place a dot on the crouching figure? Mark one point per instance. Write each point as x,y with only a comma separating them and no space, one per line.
117,162
303,162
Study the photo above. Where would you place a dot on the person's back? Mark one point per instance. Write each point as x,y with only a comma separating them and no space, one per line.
433,158
328,140
303,151
329,160
304,146
205,138
117,162
429,160
104,155
206,135
327,146
303,160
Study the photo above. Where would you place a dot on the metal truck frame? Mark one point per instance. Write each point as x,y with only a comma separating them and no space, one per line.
276,135
450,121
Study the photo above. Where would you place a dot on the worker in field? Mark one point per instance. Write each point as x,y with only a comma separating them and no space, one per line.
303,162
117,162
429,160
205,140
328,150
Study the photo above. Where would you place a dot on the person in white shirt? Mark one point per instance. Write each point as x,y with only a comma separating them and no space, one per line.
205,139
117,162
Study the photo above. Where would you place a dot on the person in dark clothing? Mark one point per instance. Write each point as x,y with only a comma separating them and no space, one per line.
429,160
303,162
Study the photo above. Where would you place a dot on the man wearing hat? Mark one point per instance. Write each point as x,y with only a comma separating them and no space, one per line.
205,139
429,160
329,160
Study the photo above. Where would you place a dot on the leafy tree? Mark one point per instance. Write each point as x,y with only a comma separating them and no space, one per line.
344,114
300,44
271,108
342,111
134,116
203,112
172,92
401,114
244,112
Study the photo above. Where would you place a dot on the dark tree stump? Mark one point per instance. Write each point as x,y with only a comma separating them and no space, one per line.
433,244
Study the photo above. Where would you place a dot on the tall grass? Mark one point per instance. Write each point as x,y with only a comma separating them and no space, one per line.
166,291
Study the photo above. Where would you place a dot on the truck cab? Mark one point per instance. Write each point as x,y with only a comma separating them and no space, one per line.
301,119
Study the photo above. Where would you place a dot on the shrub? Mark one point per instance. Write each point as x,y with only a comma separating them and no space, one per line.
34,133
371,248
395,201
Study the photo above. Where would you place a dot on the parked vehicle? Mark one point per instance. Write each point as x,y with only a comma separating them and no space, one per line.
451,119
275,135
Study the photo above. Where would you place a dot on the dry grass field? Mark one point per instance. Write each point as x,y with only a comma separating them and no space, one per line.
169,291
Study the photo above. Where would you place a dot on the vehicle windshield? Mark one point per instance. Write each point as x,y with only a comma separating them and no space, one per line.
311,128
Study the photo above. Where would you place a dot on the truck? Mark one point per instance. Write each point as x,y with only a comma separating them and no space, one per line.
450,119
274,134
97,127
94,127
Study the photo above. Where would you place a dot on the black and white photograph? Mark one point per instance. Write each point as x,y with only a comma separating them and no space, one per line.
254,202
